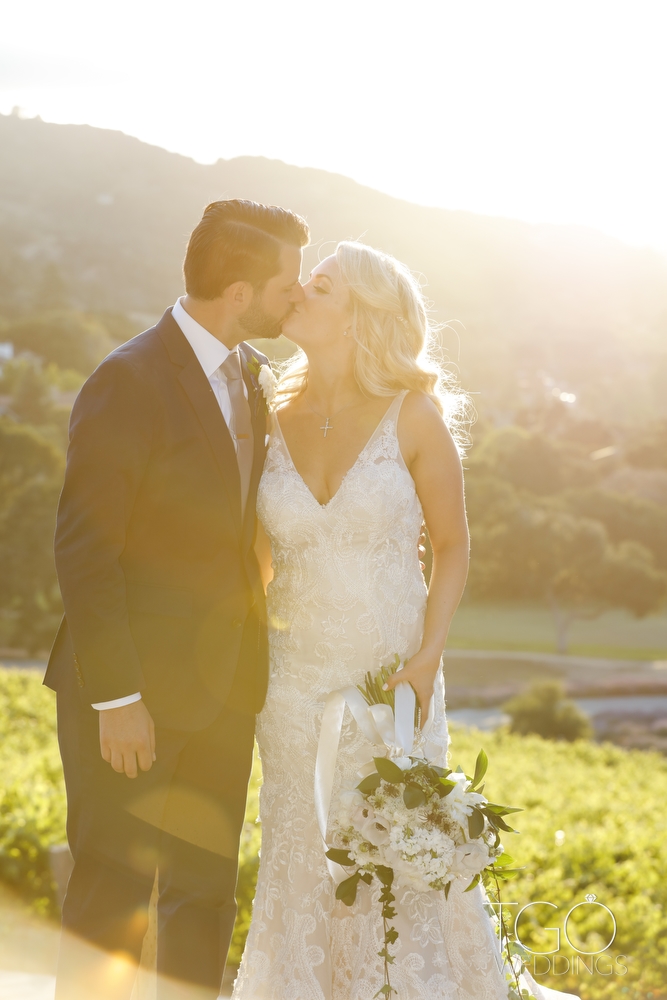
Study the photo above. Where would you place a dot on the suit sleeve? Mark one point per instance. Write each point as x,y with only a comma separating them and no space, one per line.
109,449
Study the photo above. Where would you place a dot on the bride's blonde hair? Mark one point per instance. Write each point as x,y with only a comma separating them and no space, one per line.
396,342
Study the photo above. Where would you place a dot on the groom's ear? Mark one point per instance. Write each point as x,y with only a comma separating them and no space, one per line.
238,296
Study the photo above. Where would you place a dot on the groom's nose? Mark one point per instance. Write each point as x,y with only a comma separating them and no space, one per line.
298,294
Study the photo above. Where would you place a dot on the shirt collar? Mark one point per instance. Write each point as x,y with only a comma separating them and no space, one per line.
210,352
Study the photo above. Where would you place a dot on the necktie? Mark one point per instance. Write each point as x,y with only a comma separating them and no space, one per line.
241,428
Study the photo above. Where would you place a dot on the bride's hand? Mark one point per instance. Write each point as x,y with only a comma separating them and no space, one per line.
420,671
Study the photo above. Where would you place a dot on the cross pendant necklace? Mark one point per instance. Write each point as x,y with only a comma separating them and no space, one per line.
328,426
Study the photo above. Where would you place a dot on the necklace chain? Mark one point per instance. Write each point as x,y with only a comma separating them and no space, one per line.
328,426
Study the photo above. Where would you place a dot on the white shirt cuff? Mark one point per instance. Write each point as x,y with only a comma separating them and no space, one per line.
129,699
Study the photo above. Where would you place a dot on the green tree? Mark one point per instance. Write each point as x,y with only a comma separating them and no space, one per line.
35,394
532,461
625,517
543,709
30,476
69,339
530,548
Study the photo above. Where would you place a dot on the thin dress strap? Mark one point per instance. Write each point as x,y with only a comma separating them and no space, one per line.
395,408
393,413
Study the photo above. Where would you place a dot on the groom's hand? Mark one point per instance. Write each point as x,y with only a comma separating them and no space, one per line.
127,738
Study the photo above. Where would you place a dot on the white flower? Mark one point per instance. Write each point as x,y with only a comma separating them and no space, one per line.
460,801
348,804
403,762
362,813
350,799
375,831
268,383
471,858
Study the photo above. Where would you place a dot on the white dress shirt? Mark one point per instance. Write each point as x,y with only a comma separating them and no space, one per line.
210,354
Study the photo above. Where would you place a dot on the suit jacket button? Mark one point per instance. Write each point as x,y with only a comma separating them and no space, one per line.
237,623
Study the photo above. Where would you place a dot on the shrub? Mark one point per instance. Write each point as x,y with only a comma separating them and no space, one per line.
595,823
32,797
544,710
30,478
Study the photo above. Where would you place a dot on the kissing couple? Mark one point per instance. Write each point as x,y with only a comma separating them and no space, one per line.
196,483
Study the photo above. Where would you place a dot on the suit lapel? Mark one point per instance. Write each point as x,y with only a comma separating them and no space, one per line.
205,405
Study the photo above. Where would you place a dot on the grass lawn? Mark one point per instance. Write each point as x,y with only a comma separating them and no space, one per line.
615,634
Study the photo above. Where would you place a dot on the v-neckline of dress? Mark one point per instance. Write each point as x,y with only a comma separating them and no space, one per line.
323,506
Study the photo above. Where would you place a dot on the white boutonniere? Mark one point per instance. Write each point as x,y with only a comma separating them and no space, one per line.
266,381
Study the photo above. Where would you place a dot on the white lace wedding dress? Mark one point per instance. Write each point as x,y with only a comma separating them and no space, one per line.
347,594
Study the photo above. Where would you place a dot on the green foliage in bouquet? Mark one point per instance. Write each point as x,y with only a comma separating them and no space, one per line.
432,848
373,687
422,784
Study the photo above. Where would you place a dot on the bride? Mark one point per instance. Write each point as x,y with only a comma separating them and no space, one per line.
362,452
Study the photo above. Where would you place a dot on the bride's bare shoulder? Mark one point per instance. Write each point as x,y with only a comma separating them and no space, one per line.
422,427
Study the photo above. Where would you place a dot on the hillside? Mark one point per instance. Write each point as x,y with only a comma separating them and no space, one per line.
538,308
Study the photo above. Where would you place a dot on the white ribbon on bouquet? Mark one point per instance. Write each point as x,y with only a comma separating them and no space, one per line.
392,735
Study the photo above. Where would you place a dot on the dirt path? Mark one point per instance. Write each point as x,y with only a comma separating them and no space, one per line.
29,952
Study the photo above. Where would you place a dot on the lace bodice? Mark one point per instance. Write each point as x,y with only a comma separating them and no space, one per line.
347,592
347,595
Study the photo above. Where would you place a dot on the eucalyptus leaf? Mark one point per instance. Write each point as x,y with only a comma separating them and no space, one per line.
389,771
347,890
369,783
413,796
340,856
481,765
499,821
502,810
385,874
475,824
472,885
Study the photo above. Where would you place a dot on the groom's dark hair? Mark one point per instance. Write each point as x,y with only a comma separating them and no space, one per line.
239,241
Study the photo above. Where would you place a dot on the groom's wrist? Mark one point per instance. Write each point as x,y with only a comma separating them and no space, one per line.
103,706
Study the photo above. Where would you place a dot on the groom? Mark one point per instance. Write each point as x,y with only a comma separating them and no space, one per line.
161,662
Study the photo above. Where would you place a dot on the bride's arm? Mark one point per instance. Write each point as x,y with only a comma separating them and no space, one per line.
435,466
263,553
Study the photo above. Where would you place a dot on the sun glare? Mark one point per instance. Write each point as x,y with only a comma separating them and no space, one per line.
544,112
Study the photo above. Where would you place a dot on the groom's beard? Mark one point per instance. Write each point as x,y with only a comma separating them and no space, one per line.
257,323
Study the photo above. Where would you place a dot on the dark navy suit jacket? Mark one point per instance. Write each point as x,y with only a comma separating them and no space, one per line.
160,583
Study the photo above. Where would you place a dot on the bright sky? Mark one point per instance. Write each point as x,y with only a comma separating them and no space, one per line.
544,110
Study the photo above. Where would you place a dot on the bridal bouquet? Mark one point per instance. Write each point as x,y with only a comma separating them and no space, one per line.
413,824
